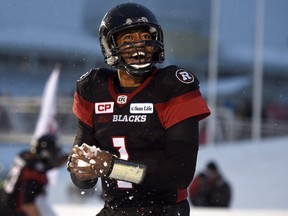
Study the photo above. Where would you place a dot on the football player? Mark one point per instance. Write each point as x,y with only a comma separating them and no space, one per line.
24,189
137,123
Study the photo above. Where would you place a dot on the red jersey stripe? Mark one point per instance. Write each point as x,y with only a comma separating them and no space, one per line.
182,107
83,109
181,195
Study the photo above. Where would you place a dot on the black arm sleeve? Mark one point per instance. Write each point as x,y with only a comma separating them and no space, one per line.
84,135
178,168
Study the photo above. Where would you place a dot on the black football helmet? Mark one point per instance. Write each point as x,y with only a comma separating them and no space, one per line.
47,150
126,17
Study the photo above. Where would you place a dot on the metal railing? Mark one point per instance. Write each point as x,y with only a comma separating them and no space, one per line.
18,117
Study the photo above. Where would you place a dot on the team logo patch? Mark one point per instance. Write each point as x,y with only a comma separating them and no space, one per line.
146,108
184,76
105,107
122,99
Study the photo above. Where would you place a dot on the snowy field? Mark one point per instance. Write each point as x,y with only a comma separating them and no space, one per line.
88,210
257,172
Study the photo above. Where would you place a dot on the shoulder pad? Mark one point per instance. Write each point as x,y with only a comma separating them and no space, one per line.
87,74
87,85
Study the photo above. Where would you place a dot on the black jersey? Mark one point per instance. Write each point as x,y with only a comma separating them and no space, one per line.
25,181
133,126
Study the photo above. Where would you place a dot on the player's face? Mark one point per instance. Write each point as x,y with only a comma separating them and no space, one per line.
133,49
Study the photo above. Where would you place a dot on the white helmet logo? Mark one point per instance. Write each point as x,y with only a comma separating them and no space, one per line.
138,19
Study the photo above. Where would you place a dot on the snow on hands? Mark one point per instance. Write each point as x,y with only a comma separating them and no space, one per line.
91,156
88,152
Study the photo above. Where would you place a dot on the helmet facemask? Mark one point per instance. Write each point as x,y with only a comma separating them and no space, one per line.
137,57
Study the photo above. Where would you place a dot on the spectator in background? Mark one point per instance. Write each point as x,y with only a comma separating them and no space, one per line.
210,189
23,192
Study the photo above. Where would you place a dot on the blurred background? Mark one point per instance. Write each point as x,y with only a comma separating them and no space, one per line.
237,48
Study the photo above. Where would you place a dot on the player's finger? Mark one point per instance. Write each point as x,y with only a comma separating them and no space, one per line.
72,164
84,158
84,169
77,150
86,149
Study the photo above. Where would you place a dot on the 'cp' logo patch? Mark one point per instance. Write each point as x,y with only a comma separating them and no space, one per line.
106,107
184,76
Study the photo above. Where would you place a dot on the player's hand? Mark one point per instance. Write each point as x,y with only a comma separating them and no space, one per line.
88,162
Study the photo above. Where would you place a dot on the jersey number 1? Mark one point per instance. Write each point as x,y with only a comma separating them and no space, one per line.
119,144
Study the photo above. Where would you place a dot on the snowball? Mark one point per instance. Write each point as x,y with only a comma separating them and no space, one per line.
82,163
92,161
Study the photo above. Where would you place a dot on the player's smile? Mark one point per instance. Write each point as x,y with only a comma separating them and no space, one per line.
138,57
133,48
